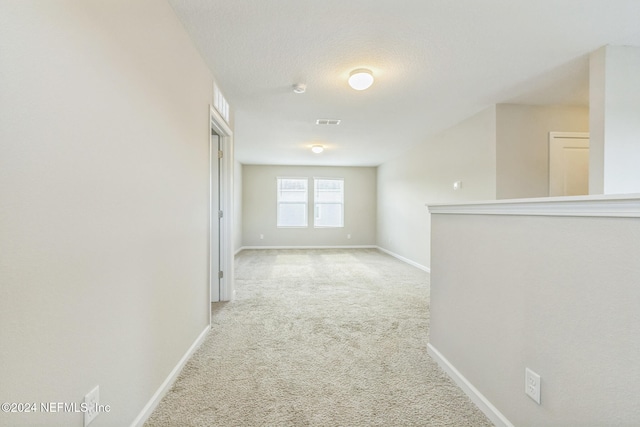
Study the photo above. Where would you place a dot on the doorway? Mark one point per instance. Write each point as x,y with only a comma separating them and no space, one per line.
568,163
220,209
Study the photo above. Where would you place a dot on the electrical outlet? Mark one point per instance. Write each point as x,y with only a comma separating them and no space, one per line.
262,237
348,236
91,400
532,385
457,185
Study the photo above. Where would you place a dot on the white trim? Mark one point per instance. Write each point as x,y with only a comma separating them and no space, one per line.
578,135
240,249
168,382
621,205
407,260
311,247
219,123
476,397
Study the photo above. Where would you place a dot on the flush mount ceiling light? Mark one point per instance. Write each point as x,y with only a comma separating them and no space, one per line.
360,79
317,148
299,88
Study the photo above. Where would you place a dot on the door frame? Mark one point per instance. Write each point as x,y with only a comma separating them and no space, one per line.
220,127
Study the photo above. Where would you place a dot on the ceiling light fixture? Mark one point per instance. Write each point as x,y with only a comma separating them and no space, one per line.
299,88
317,149
360,79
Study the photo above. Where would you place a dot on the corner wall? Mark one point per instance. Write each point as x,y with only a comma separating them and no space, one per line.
614,95
425,174
104,210
260,207
522,145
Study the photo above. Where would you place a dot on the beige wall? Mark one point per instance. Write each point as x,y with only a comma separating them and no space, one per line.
501,152
425,174
522,145
104,185
558,295
259,207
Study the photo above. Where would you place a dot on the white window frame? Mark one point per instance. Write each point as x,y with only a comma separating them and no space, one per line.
316,207
306,202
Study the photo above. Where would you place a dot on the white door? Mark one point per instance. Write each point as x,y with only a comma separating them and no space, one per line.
215,209
568,163
221,209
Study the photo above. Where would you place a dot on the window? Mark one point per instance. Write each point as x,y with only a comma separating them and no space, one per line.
328,202
292,202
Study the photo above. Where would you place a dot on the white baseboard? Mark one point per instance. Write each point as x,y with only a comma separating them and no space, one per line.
407,260
168,382
401,258
240,249
310,247
476,397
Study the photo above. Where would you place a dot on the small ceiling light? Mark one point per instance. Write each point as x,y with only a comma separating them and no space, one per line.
360,79
299,88
317,149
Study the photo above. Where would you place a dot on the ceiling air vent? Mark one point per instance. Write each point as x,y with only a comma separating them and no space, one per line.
327,122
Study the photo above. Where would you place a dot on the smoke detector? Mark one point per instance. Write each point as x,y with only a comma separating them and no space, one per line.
299,88
328,122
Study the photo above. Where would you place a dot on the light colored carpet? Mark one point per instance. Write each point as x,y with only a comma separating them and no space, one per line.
318,338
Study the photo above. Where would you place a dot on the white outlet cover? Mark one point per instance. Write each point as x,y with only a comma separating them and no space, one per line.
532,385
457,185
91,400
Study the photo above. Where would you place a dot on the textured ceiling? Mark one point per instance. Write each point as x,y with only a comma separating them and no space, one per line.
436,62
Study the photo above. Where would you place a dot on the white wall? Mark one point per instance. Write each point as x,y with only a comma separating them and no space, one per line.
425,174
558,295
104,203
260,206
522,145
614,95
597,89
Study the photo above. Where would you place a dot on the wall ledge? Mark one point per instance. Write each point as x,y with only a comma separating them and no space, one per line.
619,205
